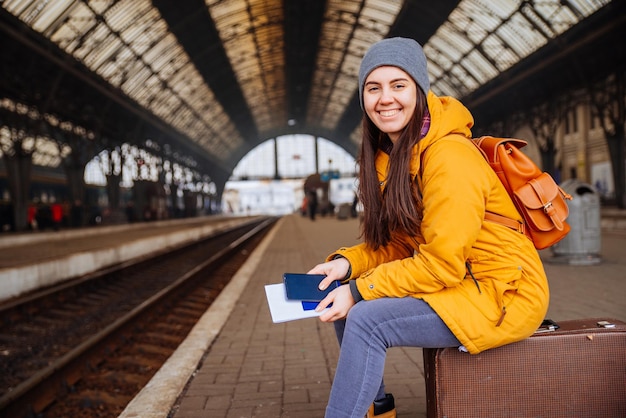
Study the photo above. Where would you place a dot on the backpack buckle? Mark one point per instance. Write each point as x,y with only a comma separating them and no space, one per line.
547,207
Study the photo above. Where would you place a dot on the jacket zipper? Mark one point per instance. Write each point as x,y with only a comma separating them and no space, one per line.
469,270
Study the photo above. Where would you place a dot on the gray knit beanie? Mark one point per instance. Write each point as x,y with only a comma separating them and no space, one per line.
403,53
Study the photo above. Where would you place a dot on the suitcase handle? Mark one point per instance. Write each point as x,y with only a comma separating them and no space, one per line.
547,325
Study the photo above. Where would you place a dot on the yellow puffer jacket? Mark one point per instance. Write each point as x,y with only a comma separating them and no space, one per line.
507,298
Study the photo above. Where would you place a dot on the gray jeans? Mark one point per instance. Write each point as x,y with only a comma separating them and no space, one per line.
364,336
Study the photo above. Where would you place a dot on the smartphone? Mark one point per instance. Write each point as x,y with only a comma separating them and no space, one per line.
305,286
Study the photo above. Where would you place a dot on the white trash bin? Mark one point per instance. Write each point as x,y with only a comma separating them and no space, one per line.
582,245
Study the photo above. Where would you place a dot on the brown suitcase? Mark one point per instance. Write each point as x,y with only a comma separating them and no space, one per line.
577,370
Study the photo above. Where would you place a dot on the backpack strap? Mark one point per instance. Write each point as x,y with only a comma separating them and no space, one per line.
489,216
508,222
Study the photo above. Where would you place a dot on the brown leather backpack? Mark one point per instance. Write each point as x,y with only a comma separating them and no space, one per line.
538,198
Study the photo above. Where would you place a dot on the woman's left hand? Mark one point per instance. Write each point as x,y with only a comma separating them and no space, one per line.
342,301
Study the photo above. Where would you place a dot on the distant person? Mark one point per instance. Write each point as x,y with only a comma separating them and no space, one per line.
43,216
131,217
32,216
57,215
76,213
312,201
354,207
431,272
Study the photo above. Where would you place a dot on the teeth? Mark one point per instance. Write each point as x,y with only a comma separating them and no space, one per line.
388,112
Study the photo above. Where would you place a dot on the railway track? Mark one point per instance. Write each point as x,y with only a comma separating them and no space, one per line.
85,350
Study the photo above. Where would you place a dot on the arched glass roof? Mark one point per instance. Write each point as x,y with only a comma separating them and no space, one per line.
131,45
483,38
350,27
253,36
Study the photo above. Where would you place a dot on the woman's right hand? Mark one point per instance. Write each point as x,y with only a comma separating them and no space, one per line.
341,300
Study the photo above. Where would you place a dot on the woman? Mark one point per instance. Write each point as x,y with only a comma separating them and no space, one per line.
431,271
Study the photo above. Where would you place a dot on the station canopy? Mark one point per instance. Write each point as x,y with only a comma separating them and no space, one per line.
227,74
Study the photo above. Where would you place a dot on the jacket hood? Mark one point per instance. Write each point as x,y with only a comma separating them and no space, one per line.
447,116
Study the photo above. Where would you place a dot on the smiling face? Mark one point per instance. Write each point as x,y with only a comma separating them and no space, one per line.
389,99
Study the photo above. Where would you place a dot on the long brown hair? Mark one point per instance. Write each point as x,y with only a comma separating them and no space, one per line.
397,209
